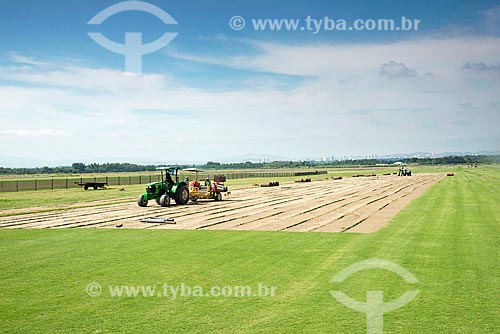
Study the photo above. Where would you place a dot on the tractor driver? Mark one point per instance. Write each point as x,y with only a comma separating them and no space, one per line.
207,182
168,179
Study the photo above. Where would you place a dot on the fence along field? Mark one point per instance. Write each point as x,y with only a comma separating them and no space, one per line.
72,182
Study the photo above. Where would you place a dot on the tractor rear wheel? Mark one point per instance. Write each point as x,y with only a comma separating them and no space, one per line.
164,200
182,194
142,201
218,197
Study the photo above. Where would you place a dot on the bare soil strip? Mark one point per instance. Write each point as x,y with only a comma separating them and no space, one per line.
353,205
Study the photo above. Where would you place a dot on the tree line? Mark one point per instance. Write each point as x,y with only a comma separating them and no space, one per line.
81,168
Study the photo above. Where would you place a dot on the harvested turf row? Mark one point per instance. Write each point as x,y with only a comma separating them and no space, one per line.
270,211
381,217
290,201
302,217
332,206
357,214
193,210
294,211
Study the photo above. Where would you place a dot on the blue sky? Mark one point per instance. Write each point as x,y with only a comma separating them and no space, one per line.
214,93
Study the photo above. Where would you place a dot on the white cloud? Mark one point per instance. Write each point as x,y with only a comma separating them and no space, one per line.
84,78
21,59
34,133
360,59
393,69
108,113
480,67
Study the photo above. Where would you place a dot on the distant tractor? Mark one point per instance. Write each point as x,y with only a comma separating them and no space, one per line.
403,171
165,189
207,189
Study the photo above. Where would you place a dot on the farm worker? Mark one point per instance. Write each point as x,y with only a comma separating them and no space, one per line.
168,179
186,180
207,182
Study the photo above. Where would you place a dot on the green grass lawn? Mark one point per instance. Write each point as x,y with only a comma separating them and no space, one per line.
448,238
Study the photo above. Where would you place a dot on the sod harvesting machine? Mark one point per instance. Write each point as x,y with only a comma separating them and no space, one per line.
166,189
207,190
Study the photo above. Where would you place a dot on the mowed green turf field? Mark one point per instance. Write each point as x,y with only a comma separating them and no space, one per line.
449,239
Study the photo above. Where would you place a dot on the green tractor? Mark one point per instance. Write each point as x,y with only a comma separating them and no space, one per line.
166,189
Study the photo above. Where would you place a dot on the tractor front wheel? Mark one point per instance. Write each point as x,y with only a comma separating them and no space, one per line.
142,201
182,195
218,197
164,200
